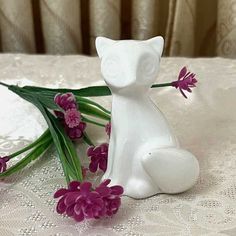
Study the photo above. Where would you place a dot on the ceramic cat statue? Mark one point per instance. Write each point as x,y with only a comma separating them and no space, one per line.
144,156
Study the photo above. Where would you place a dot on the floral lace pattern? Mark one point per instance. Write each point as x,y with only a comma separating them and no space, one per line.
27,205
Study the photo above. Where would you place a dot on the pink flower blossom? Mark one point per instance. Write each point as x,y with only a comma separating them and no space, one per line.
59,114
80,201
98,157
108,128
72,117
65,101
77,131
3,163
111,196
186,80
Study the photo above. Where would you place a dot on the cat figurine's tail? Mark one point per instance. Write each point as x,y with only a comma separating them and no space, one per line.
174,170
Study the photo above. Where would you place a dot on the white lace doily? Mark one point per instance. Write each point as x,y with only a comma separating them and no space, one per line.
205,124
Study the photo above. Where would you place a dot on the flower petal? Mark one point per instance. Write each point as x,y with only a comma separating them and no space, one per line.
79,217
103,190
71,198
85,187
105,182
90,151
103,164
70,210
117,190
73,185
182,72
93,166
61,207
60,192
183,93
82,126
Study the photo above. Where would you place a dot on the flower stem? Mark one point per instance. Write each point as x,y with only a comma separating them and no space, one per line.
161,85
87,139
3,84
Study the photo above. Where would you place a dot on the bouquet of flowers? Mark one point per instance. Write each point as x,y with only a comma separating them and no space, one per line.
67,113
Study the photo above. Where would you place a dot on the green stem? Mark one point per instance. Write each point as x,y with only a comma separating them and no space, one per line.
3,84
92,121
87,139
43,138
161,85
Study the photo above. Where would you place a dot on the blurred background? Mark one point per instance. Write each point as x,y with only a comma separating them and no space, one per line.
191,28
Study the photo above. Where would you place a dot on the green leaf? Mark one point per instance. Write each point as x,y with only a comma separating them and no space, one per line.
59,141
93,91
85,100
33,155
68,146
45,136
85,119
93,111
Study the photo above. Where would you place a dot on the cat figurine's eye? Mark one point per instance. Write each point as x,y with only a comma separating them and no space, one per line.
148,66
110,67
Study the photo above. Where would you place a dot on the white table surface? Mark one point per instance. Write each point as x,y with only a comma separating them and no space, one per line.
205,124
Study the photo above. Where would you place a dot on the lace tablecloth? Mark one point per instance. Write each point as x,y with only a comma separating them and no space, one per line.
205,124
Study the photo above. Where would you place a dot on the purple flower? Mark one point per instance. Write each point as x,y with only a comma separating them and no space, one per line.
59,114
3,163
72,117
65,101
98,157
111,196
80,201
108,128
186,80
75,132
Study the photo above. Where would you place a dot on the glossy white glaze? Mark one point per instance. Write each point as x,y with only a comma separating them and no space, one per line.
144,156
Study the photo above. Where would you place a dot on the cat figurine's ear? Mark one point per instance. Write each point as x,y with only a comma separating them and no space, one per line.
102,44
157,43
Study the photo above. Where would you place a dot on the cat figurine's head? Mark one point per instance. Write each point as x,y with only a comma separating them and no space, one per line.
129,63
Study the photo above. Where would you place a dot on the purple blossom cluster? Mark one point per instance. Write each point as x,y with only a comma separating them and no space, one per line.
3,163
186,81
70,117
80,201
108,128
98,155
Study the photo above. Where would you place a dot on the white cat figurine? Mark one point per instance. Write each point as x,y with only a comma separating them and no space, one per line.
144,156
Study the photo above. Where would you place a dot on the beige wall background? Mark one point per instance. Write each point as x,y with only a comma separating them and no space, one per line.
190,27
